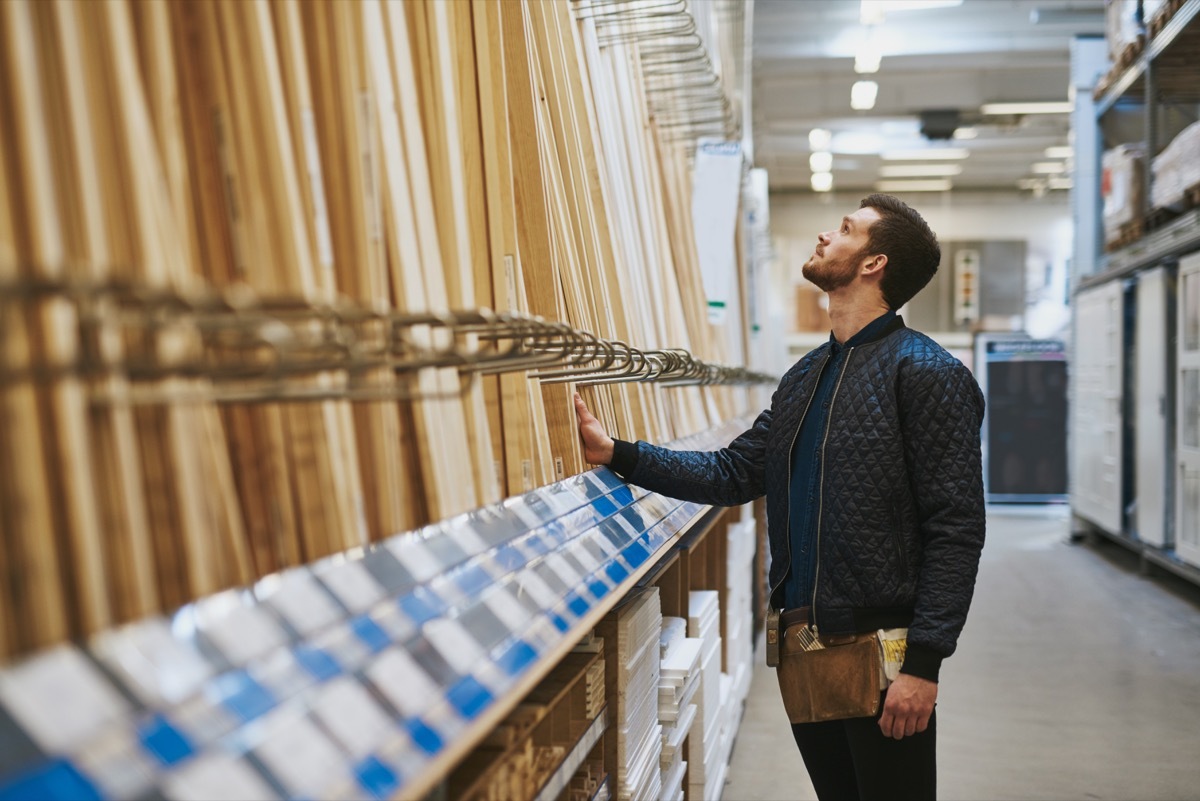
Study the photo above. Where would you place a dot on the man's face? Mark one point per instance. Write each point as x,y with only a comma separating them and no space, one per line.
836,259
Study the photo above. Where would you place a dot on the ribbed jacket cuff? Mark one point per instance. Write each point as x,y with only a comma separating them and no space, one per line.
922,662
624,458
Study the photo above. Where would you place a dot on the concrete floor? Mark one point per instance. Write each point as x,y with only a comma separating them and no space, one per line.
1075,678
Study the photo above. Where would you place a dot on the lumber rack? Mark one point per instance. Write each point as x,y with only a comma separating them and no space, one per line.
686,91
140,345
369,674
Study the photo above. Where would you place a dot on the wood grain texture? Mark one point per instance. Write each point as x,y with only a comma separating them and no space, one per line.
70,479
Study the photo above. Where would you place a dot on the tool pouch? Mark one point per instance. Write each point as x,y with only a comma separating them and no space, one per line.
828,678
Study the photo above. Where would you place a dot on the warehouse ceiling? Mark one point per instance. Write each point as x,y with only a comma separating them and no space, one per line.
940,65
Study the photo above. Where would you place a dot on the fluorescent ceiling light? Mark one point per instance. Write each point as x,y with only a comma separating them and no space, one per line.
819,138
1030,183
821,161
862,95
873,12
942,185
930,154
867,63
1060,183
858,143
822,181
1062,107
965,133
867,57
1049,167
914,170
1063,152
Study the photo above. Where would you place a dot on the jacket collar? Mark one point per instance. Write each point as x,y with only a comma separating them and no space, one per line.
877,329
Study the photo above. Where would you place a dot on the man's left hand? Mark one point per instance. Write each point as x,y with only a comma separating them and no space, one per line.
908,706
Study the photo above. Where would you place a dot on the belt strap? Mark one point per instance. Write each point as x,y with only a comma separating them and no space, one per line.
791,617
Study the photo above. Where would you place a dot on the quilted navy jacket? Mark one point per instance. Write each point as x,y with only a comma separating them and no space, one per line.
901,523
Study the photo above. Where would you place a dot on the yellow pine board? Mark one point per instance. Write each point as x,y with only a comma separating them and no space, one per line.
133,591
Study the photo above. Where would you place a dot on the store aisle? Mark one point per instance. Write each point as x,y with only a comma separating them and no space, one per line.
1075,678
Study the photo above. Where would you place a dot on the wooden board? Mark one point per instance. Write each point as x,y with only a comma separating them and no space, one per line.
53,327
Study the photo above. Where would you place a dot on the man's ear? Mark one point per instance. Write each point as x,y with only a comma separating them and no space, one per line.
874,264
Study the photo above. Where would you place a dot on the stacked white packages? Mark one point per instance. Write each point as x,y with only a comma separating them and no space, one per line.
707,775
639,734
679,678
739,610
1176,168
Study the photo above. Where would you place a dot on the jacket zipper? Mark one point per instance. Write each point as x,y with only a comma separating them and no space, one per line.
807,406
821,489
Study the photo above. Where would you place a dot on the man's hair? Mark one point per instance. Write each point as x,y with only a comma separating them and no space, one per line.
906,239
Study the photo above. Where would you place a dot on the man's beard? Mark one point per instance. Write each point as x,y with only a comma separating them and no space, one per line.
831,276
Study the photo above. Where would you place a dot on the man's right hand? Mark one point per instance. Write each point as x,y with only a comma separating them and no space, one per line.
597,444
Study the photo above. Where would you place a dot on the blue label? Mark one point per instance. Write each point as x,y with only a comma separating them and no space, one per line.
509,557
420,607
243,696
517,658
316,661
577,605
617,572
623,495
635,553
371,634
604,506
429,740
559,623
599,588
376,778
163,740
472,580
469,697
51,781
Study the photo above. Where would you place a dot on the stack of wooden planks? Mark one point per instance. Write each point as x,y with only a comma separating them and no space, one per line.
407,156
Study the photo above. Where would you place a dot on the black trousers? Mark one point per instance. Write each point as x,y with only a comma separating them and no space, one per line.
851,760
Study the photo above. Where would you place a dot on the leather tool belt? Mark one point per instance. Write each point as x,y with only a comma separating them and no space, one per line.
824,677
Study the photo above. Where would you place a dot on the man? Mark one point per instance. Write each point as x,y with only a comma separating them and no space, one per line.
869,457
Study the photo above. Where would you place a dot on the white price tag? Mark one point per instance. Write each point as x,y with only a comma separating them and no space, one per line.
531,583
352,716
602,542
242,632
216,774
467,538
353,585
584,557
159,668
415,555
303,759
525,515
454,643
301,601
403,682
563,568
60,698
504,606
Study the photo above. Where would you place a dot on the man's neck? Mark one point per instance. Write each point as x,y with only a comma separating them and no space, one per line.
851,315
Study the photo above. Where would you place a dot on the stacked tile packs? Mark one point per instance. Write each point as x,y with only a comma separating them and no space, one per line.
739,614
708,765
679,678
636,726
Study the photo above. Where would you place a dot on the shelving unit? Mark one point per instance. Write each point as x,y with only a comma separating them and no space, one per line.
1114,414
368,675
